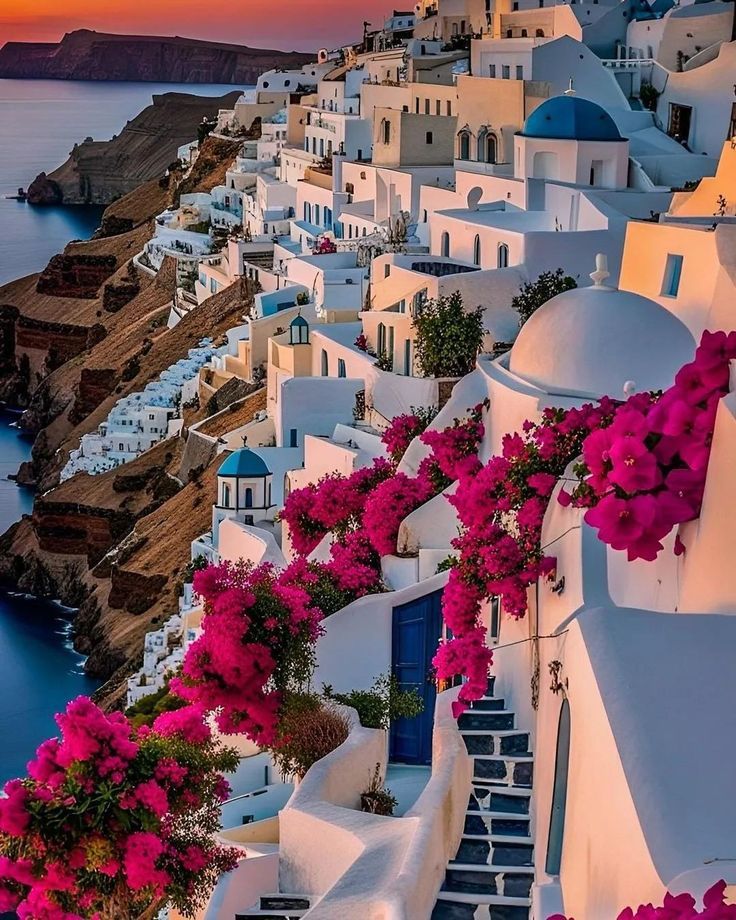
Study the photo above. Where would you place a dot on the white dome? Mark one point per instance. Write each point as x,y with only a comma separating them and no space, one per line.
597,340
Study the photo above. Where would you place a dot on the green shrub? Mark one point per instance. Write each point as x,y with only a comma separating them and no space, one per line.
448,337
308,731
382,704
535,293
149,708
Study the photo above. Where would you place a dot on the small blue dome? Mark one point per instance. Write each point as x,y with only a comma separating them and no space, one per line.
299,321
572,118
243,463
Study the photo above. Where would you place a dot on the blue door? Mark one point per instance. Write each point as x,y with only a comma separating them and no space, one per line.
415,635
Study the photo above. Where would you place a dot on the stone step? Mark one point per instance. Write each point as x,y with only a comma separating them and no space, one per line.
278,901
486,720
460,906
517,770
495,850
506,741
258,914
493,822
487,702
487,797
510,881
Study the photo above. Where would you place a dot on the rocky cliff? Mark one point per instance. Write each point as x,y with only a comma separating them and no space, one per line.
114,545
88,55
99,172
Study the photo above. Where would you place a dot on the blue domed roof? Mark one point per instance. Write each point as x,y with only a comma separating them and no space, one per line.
571,117
243,463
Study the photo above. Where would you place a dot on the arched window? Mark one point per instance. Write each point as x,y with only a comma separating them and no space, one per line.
307,212
445,245
325,364
225,495
487,146
341,372
476,250
559,793
381,339
503,255
540,33
249,498
316,214
491,149
328,218
386,131
464,145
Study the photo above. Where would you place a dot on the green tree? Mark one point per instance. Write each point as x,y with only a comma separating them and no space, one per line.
448,337
535,293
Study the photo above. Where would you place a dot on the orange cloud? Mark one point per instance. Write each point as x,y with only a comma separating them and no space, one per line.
302,24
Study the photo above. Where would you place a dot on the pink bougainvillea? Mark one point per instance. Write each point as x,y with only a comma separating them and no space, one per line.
103,826
501,506
645,473
642,471
681,907
258,635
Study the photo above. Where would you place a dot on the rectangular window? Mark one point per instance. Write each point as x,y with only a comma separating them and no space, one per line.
438,107
429,137
449,107
505,72
492,70
426,106
387,270
416,105
672,274
519,72
293,438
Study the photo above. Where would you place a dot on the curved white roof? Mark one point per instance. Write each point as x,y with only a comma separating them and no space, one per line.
595,340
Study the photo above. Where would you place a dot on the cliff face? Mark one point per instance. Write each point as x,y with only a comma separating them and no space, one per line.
99,172
88,55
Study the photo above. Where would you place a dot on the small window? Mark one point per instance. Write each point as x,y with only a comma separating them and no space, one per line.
503,256
449,107
387,270
540,33
492,70
341,371
524,33
416,105
438,107
445,245
386,131
293,438
672,274
476,250
429,138
519,72
426,106
506,72
325,364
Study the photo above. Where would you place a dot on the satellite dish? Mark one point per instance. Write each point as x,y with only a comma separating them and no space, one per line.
474,197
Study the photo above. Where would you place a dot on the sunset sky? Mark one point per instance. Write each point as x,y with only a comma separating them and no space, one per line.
287,24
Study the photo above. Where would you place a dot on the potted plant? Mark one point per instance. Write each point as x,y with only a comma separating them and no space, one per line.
377,799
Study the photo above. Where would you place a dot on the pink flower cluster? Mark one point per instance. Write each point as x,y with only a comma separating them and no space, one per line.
258,636
645,473
455,448
105,816
401,432
501,506
681,907
335,503
387,506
